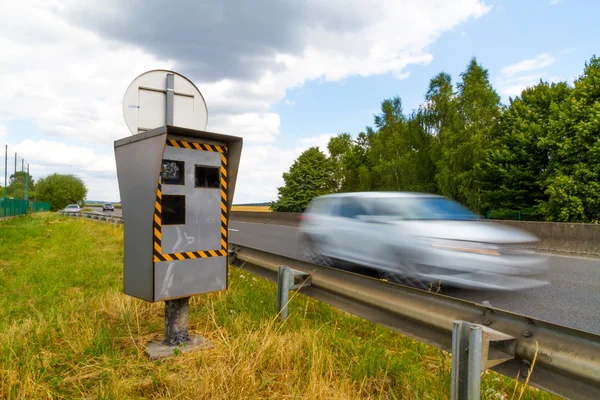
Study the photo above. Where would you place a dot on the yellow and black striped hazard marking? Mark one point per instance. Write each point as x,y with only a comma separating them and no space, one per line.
182,144
158,254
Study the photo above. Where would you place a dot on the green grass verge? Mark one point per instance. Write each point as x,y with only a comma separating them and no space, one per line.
67,331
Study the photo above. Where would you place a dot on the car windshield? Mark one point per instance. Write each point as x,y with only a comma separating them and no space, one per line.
433,208
72,206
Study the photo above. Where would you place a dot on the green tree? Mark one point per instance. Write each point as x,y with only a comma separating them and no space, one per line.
464,148
573,184
441,117
60,190
516,171
25,185
399,150
310,175
339,148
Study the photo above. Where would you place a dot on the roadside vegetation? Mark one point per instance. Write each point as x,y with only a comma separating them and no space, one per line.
536,158
67,331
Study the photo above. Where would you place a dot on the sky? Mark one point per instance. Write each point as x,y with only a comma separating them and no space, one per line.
283,74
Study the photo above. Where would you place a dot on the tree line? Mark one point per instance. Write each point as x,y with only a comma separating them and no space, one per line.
539,154
57,189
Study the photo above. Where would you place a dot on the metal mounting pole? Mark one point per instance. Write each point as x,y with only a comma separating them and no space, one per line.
177,337
170,98
176,321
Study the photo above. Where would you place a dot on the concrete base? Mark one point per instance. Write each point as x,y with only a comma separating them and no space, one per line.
157,349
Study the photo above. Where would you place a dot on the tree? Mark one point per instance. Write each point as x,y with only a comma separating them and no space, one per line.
573,183
24,183
60,190
339,148
516,171
464,148
310,175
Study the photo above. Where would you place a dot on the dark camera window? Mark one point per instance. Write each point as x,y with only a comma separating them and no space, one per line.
207,177
172,172
173,209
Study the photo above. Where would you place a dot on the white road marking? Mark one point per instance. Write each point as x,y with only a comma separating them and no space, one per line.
234,230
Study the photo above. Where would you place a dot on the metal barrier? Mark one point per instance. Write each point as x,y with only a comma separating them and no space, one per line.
93,216
554,358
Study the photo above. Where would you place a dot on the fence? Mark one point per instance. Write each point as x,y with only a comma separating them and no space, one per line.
18,186
514,215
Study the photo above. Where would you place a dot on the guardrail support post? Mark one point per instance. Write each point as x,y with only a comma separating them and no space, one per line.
476,348
286,281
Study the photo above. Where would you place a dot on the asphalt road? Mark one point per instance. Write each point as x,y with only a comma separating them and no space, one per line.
572,298
116,213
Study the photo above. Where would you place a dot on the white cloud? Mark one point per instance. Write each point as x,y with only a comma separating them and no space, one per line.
539,62
320,141
555,2
52,153
262,167
516,77
69,80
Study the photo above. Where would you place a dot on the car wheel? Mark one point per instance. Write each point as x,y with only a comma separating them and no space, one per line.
408,275
312,254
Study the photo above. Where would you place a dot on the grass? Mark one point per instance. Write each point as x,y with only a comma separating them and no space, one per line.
67,332
251,208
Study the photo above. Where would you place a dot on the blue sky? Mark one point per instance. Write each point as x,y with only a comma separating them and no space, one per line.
287,78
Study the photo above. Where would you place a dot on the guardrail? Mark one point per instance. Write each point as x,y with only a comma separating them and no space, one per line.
554,358
93,216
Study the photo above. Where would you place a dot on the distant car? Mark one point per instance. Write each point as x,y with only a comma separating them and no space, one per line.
72,208
108,207
419,239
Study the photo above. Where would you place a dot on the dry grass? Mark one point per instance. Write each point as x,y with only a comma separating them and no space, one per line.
67,331
252,208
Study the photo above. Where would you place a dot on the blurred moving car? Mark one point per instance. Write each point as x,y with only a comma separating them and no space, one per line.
72,208
419,239
108,207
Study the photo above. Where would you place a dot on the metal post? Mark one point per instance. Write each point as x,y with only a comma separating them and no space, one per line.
170,98
5,175
176,322
22,169
475,349
14,212
460,342
285,281
467,349
27,184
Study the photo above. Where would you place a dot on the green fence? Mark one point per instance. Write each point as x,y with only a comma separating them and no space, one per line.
13,207
514,215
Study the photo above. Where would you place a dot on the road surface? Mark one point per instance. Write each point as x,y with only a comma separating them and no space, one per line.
116,213
572,298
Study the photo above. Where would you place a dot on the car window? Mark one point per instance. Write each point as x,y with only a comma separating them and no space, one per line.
438,208
320,206
351,208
